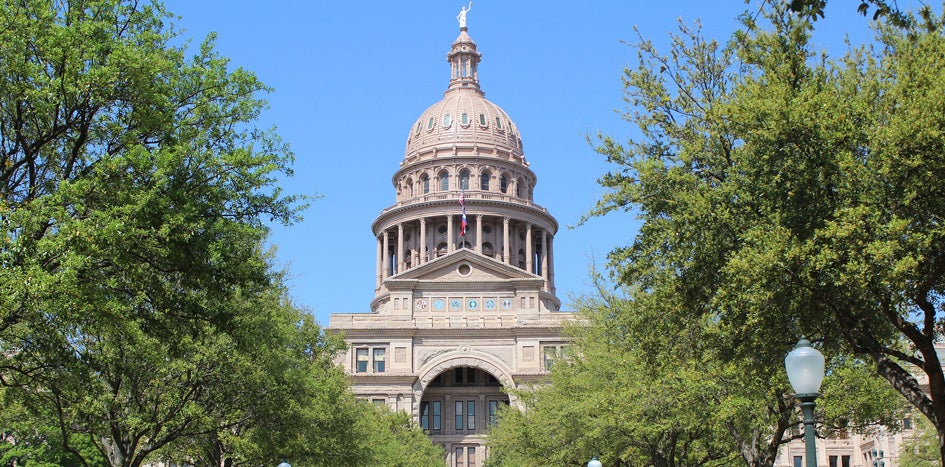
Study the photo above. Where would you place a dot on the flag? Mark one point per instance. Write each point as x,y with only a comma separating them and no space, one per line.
463,224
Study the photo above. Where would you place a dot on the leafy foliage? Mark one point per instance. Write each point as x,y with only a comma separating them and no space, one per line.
786,194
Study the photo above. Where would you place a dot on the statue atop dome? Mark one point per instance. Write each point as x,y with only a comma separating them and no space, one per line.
461,17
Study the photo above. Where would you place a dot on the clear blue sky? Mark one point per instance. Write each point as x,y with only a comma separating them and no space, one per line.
351,78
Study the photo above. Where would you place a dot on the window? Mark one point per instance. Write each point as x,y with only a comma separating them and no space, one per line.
471,456
379,401
493,412
907,423
460,457
498,123
458,415
482,119
470,415
447,120
519,185
503,184
425,183
551,354
419,125
379,355
834,461
464,179
430,415
484,180
464,119
362,360
798,461
444,179
845,461
430,124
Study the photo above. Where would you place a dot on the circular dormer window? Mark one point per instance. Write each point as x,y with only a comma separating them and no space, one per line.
464,270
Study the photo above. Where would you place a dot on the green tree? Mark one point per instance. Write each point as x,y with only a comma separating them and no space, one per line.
785,194
921,449
640,388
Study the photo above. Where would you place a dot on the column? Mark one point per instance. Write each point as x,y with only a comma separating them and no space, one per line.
386,269
479,233
551,264
380,263
505,240
544,257
450,241
400,247
423,240
529,261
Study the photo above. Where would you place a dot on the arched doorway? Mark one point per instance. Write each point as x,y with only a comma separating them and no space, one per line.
457,408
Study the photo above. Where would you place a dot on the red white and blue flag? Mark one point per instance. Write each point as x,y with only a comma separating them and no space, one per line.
463,223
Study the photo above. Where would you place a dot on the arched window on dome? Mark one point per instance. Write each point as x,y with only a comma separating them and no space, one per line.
408,188
484,180
425,183
441,249
487,249
498,123
504,184
444,181
464,179
520,188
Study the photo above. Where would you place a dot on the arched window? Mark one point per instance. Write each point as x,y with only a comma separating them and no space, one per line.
484,180
504,184
487,249
409,188
441,249
425,183
444,181
464,179
520,188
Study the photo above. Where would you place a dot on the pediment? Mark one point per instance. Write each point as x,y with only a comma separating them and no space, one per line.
464,266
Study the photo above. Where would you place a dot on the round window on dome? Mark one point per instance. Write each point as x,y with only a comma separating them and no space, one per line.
430,124
464,119
447,120
482,120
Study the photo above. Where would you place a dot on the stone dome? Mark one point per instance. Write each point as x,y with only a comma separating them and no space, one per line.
464,117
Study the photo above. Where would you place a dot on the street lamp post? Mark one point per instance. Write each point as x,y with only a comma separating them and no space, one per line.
805,370
594,462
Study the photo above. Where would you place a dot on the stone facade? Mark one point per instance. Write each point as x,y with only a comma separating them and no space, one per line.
464,306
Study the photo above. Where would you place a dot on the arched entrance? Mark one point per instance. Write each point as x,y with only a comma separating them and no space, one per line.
458,404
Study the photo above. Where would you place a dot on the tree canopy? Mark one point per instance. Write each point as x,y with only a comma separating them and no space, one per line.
141,317
784,193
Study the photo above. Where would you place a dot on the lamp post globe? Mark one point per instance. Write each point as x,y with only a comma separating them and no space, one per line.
805,369
284,464
594,463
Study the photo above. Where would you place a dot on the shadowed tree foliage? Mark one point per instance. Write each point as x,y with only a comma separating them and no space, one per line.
784,193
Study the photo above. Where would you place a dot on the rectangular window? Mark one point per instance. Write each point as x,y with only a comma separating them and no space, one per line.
460,457
458,376
845,461
362,360
798,461
493,409
834,461
458,415
550,355
425,415
379,401
436,415
379,355
470,415
907,423
471,457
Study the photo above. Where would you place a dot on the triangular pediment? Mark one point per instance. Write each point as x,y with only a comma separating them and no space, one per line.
464,266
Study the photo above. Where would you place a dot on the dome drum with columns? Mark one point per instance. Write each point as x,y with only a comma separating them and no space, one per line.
458,318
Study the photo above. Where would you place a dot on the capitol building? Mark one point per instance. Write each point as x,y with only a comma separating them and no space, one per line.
464,304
